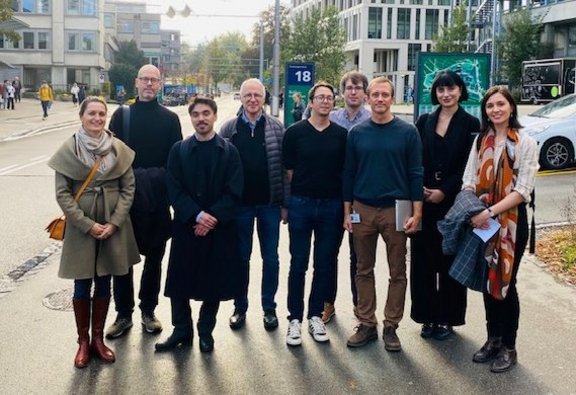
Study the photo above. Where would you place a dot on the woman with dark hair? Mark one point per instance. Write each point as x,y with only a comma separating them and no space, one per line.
99,240
501,171
438,301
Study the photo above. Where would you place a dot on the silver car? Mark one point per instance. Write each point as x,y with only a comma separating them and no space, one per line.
554,128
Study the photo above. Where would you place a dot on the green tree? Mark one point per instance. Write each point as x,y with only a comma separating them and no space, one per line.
519,42
129,54
6,15
222,60
453,38
268,22
123,74
319,38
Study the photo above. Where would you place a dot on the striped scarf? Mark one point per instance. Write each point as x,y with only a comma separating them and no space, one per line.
492,187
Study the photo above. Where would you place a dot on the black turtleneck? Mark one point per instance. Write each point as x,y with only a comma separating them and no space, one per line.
153,131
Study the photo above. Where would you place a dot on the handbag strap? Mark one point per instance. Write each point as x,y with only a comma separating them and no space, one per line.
88,179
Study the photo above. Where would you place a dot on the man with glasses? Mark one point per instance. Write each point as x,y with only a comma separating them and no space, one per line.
258,138
353,88
150,130
383,164
313,154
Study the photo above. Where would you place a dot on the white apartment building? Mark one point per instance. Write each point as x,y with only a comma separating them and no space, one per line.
384,36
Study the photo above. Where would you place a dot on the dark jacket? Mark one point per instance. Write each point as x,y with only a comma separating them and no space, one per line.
458,139
204,268
273,136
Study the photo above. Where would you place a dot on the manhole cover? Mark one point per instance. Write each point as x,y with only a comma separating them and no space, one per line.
59,300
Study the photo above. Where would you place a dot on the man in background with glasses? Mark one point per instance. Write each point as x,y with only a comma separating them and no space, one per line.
313,154
353,87
258,138
150,130
383,164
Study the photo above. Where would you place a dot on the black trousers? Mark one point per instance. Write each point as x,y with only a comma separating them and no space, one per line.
182,316
502,316
149,285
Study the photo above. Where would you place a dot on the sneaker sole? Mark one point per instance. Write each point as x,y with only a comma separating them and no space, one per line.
368,340
295,344
119,334
151,330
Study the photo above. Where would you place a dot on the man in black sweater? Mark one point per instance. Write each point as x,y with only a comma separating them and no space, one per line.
383,164
313,154
151,132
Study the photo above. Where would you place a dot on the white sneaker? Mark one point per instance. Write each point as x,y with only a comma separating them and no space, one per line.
317,329
294,335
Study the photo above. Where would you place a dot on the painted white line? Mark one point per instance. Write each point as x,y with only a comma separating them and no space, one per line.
7,168
35,161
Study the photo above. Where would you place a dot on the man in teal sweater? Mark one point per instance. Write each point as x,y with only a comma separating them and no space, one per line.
383,164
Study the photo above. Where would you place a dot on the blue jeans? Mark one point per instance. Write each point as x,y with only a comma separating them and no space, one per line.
268,228
323,217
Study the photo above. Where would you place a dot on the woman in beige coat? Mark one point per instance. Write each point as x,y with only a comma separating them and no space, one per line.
99,240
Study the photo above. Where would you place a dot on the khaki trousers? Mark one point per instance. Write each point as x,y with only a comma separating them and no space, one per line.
379,221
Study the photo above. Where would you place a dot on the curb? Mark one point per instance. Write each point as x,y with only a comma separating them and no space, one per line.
31,132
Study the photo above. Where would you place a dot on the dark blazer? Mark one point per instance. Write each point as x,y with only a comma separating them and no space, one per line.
459,137
204,268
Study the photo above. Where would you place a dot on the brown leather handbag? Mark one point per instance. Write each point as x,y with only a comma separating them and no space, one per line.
57,227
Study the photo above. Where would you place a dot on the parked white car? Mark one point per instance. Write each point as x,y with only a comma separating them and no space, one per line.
554,128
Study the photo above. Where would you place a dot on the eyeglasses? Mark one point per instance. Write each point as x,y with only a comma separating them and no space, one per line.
148,80
354,88
323,98
252,96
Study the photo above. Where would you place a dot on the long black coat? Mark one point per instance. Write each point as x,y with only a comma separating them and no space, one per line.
436,297
204,268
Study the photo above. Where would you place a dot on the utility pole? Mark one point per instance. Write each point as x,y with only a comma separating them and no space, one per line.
276,64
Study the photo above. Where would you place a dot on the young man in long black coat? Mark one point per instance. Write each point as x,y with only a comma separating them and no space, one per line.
204,179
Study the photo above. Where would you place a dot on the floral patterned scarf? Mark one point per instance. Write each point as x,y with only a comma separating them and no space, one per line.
492,187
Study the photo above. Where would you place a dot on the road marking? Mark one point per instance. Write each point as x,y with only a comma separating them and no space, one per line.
544,173
33,162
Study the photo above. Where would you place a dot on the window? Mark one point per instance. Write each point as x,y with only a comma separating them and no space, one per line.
413,50
446,17
389,23
82,41
443,2
375,22
125,26
108,20
28,40
431,24
355,27
43,39
403,31
82,7
32,6
419,2
151,27
417,24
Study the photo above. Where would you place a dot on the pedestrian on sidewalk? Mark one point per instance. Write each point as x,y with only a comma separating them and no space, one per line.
3,95
150,130
11,95
353,87
313,155
204,178
17,84
99,241
258,138
74,90
439,301
46,96
383,165
501,170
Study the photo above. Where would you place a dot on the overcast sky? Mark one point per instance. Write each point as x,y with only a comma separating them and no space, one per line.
202,28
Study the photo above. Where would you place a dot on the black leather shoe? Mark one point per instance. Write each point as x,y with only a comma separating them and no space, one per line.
504,361
443,332
270,320
237,320
206,344
175,340
488,351
427,331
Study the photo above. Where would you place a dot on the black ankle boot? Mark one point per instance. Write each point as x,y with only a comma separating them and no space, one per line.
505,360
175,340
206,343
488,351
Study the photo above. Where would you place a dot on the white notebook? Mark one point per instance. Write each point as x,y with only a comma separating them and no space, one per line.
403,212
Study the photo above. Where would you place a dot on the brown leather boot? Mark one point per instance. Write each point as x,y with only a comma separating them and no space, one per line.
82,314
99,312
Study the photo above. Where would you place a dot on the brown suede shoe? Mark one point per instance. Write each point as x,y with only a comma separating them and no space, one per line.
363,335
488,351
391,340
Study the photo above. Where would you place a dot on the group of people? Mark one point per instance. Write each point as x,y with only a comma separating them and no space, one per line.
336,171
10,93
78,93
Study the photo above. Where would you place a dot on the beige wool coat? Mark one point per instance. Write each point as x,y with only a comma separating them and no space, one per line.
107,199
